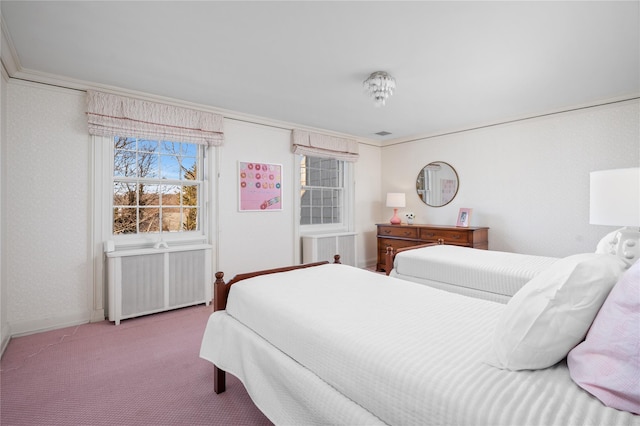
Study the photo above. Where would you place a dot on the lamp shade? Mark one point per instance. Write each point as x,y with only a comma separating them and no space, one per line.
615,197
395,199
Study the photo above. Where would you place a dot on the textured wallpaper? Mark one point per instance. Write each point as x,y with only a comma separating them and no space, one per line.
47,203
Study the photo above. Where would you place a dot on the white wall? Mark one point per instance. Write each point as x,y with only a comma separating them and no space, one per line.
254,240
368,202
528,180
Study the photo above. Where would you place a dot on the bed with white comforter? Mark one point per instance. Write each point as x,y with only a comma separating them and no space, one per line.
487,274
335,344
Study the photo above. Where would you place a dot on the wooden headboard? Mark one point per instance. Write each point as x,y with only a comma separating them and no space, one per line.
221,289
390,255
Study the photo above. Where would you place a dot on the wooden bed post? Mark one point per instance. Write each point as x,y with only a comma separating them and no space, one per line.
219,380
388,260
220,293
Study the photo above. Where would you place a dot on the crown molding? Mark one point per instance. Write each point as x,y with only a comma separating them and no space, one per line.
515,119
33,76
8,54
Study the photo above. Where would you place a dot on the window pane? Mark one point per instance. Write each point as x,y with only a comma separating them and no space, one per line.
190,219
171,219
305,216
170,167
149,219
327,215
125,220
314,161
327,197
189,168
148,165
190,195
315,177
124,194
124,164
168,147
305,197
149,195
189,149
125,143
316,215
147,146
316,197
170,195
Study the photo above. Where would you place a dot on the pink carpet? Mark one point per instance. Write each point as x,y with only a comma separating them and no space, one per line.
146,371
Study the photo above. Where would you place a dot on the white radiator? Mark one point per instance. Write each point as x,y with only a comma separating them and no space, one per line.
316,248
146,281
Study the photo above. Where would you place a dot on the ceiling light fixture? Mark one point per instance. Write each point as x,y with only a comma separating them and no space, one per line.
380,86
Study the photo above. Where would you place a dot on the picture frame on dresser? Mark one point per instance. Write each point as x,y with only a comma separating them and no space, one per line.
464,218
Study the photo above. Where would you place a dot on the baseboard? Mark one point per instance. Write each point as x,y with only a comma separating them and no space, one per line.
98,315
5,340
22,328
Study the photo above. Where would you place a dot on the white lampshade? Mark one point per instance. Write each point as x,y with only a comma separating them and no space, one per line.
615,197
395,199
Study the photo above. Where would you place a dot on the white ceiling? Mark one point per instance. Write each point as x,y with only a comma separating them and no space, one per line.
458,65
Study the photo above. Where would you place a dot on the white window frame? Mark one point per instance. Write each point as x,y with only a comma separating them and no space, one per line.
103,205
347,216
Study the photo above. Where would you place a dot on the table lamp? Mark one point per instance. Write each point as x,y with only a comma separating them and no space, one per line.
395,200
615,200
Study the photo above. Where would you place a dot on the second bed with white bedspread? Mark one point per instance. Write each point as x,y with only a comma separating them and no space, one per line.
487,274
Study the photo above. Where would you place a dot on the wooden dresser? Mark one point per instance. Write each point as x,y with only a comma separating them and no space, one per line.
399,236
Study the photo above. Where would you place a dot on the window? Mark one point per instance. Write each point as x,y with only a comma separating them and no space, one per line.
322,191
157,186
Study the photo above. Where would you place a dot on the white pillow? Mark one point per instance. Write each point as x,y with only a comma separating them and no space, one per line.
552,313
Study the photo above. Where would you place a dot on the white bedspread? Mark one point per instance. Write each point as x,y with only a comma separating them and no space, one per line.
405,353
491,271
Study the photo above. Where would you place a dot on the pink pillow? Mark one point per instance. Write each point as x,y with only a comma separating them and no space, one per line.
607,363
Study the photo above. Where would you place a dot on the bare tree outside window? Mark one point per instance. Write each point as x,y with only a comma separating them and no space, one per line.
156,186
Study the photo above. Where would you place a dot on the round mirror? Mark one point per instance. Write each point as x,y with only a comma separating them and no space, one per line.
437,184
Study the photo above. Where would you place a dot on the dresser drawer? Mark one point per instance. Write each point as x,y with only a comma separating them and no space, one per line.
445,236
397,231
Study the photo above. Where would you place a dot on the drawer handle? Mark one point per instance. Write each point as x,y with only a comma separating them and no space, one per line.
407,233
387,231
457,237
431,234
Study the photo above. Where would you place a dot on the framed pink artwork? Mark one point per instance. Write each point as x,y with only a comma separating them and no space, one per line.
464,218
260,186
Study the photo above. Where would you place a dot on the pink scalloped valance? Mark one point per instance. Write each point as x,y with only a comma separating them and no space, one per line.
113,115
320,145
